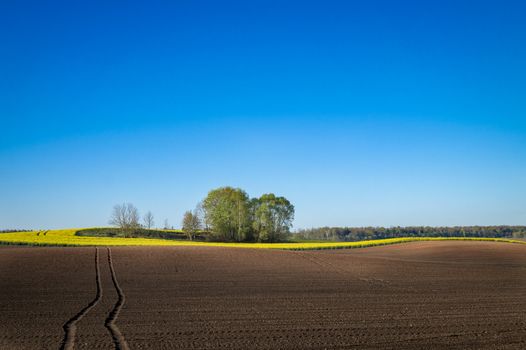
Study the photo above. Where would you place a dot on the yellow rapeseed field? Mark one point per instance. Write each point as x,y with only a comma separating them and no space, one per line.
68,238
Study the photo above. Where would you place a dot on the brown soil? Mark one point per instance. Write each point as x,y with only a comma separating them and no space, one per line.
428,295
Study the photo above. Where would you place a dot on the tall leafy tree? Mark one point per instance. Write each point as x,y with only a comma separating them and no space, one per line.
227,211
272,218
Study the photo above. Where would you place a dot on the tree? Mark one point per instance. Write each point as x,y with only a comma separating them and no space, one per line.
166,225
126,216
227,211
199,211
148,220
191,224
272,218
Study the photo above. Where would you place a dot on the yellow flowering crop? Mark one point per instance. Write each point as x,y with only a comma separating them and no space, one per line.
68,238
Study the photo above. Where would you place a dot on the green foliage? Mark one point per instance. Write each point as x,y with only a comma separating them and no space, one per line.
227,211
232,216
272,218
191,224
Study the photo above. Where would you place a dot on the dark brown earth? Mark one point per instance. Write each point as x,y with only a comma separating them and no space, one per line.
429,295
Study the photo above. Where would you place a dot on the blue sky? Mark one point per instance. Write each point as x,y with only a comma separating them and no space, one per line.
361,113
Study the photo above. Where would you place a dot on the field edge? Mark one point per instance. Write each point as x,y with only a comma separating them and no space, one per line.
67,238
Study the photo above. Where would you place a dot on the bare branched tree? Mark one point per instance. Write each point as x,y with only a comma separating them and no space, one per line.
125,216
118,216
148,220
166,225
134,217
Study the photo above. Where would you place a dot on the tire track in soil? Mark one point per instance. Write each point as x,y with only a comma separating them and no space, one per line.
70,327
118,338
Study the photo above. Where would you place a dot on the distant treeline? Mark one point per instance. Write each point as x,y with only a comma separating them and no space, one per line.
7,231
350,234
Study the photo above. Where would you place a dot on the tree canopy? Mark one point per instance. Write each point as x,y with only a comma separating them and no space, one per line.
191,224
233,216
227,211
272,218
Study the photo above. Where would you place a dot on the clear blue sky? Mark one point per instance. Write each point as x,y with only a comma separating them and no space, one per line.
360,112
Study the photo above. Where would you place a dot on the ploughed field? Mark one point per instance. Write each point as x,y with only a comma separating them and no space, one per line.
421,295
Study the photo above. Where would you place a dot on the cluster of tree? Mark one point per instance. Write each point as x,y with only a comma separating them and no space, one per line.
226,214
229,214
126,216
365,233
15,230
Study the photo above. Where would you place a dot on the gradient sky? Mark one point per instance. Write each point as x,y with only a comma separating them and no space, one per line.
361,113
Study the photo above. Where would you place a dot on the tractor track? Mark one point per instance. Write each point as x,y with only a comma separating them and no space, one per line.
118,338
229,298
70,327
